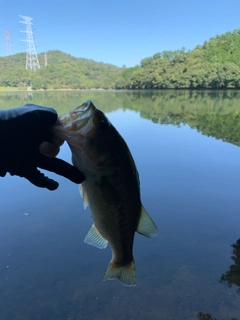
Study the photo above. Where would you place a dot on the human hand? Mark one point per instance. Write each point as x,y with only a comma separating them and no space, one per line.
27,143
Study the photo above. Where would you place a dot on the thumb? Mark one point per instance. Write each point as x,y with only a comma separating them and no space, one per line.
40,180
2,173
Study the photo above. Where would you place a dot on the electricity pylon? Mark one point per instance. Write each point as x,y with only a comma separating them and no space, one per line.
8,43
32,62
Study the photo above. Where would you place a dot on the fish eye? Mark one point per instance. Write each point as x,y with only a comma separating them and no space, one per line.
103,125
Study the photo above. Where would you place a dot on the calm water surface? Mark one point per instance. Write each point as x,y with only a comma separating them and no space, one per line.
186,147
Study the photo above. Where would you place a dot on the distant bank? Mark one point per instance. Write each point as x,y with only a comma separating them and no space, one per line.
213,65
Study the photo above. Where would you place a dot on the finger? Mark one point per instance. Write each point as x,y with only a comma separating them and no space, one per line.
58,142
48,149
58,122
62,168
40,180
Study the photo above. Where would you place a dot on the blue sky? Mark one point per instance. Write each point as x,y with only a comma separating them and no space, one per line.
117,32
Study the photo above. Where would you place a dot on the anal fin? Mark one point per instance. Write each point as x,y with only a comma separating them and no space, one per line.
95,239
146,225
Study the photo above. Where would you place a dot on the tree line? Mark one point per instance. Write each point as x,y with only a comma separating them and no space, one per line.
215,64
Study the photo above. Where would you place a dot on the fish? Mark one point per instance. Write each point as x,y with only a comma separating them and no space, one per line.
111,188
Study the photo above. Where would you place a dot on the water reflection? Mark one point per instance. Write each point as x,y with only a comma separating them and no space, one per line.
190,185
207,316
232,276
213,113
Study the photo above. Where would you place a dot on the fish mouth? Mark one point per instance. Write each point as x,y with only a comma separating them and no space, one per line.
78,118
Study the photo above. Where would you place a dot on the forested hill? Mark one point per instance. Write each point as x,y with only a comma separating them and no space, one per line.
214,64
62,71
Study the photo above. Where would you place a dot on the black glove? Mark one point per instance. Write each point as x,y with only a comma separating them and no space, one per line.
22,130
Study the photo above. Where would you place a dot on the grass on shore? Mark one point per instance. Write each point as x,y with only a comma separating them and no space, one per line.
13,88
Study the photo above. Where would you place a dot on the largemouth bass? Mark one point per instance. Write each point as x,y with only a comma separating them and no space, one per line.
111,188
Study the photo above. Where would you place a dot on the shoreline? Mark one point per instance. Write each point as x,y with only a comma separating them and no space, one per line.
44,90
112,90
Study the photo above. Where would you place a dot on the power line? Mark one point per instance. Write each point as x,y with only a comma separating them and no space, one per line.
32,62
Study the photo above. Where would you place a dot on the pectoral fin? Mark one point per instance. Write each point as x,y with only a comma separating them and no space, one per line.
95,239
84,196
146,226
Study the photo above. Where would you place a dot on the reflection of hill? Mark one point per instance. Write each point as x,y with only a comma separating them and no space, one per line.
62,101
213,113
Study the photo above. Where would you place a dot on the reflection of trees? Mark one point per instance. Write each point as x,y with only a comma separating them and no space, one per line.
232,276
213,113
207,316
62,101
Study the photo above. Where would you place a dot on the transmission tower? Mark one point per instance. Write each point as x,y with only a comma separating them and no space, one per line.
8,43
45,58
32,62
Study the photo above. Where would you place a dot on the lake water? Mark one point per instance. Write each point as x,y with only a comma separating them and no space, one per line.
186,148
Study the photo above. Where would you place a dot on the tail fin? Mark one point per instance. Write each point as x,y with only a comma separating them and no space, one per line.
126,274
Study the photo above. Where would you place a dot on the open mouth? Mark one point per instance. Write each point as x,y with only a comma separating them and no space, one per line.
83,111
78,118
